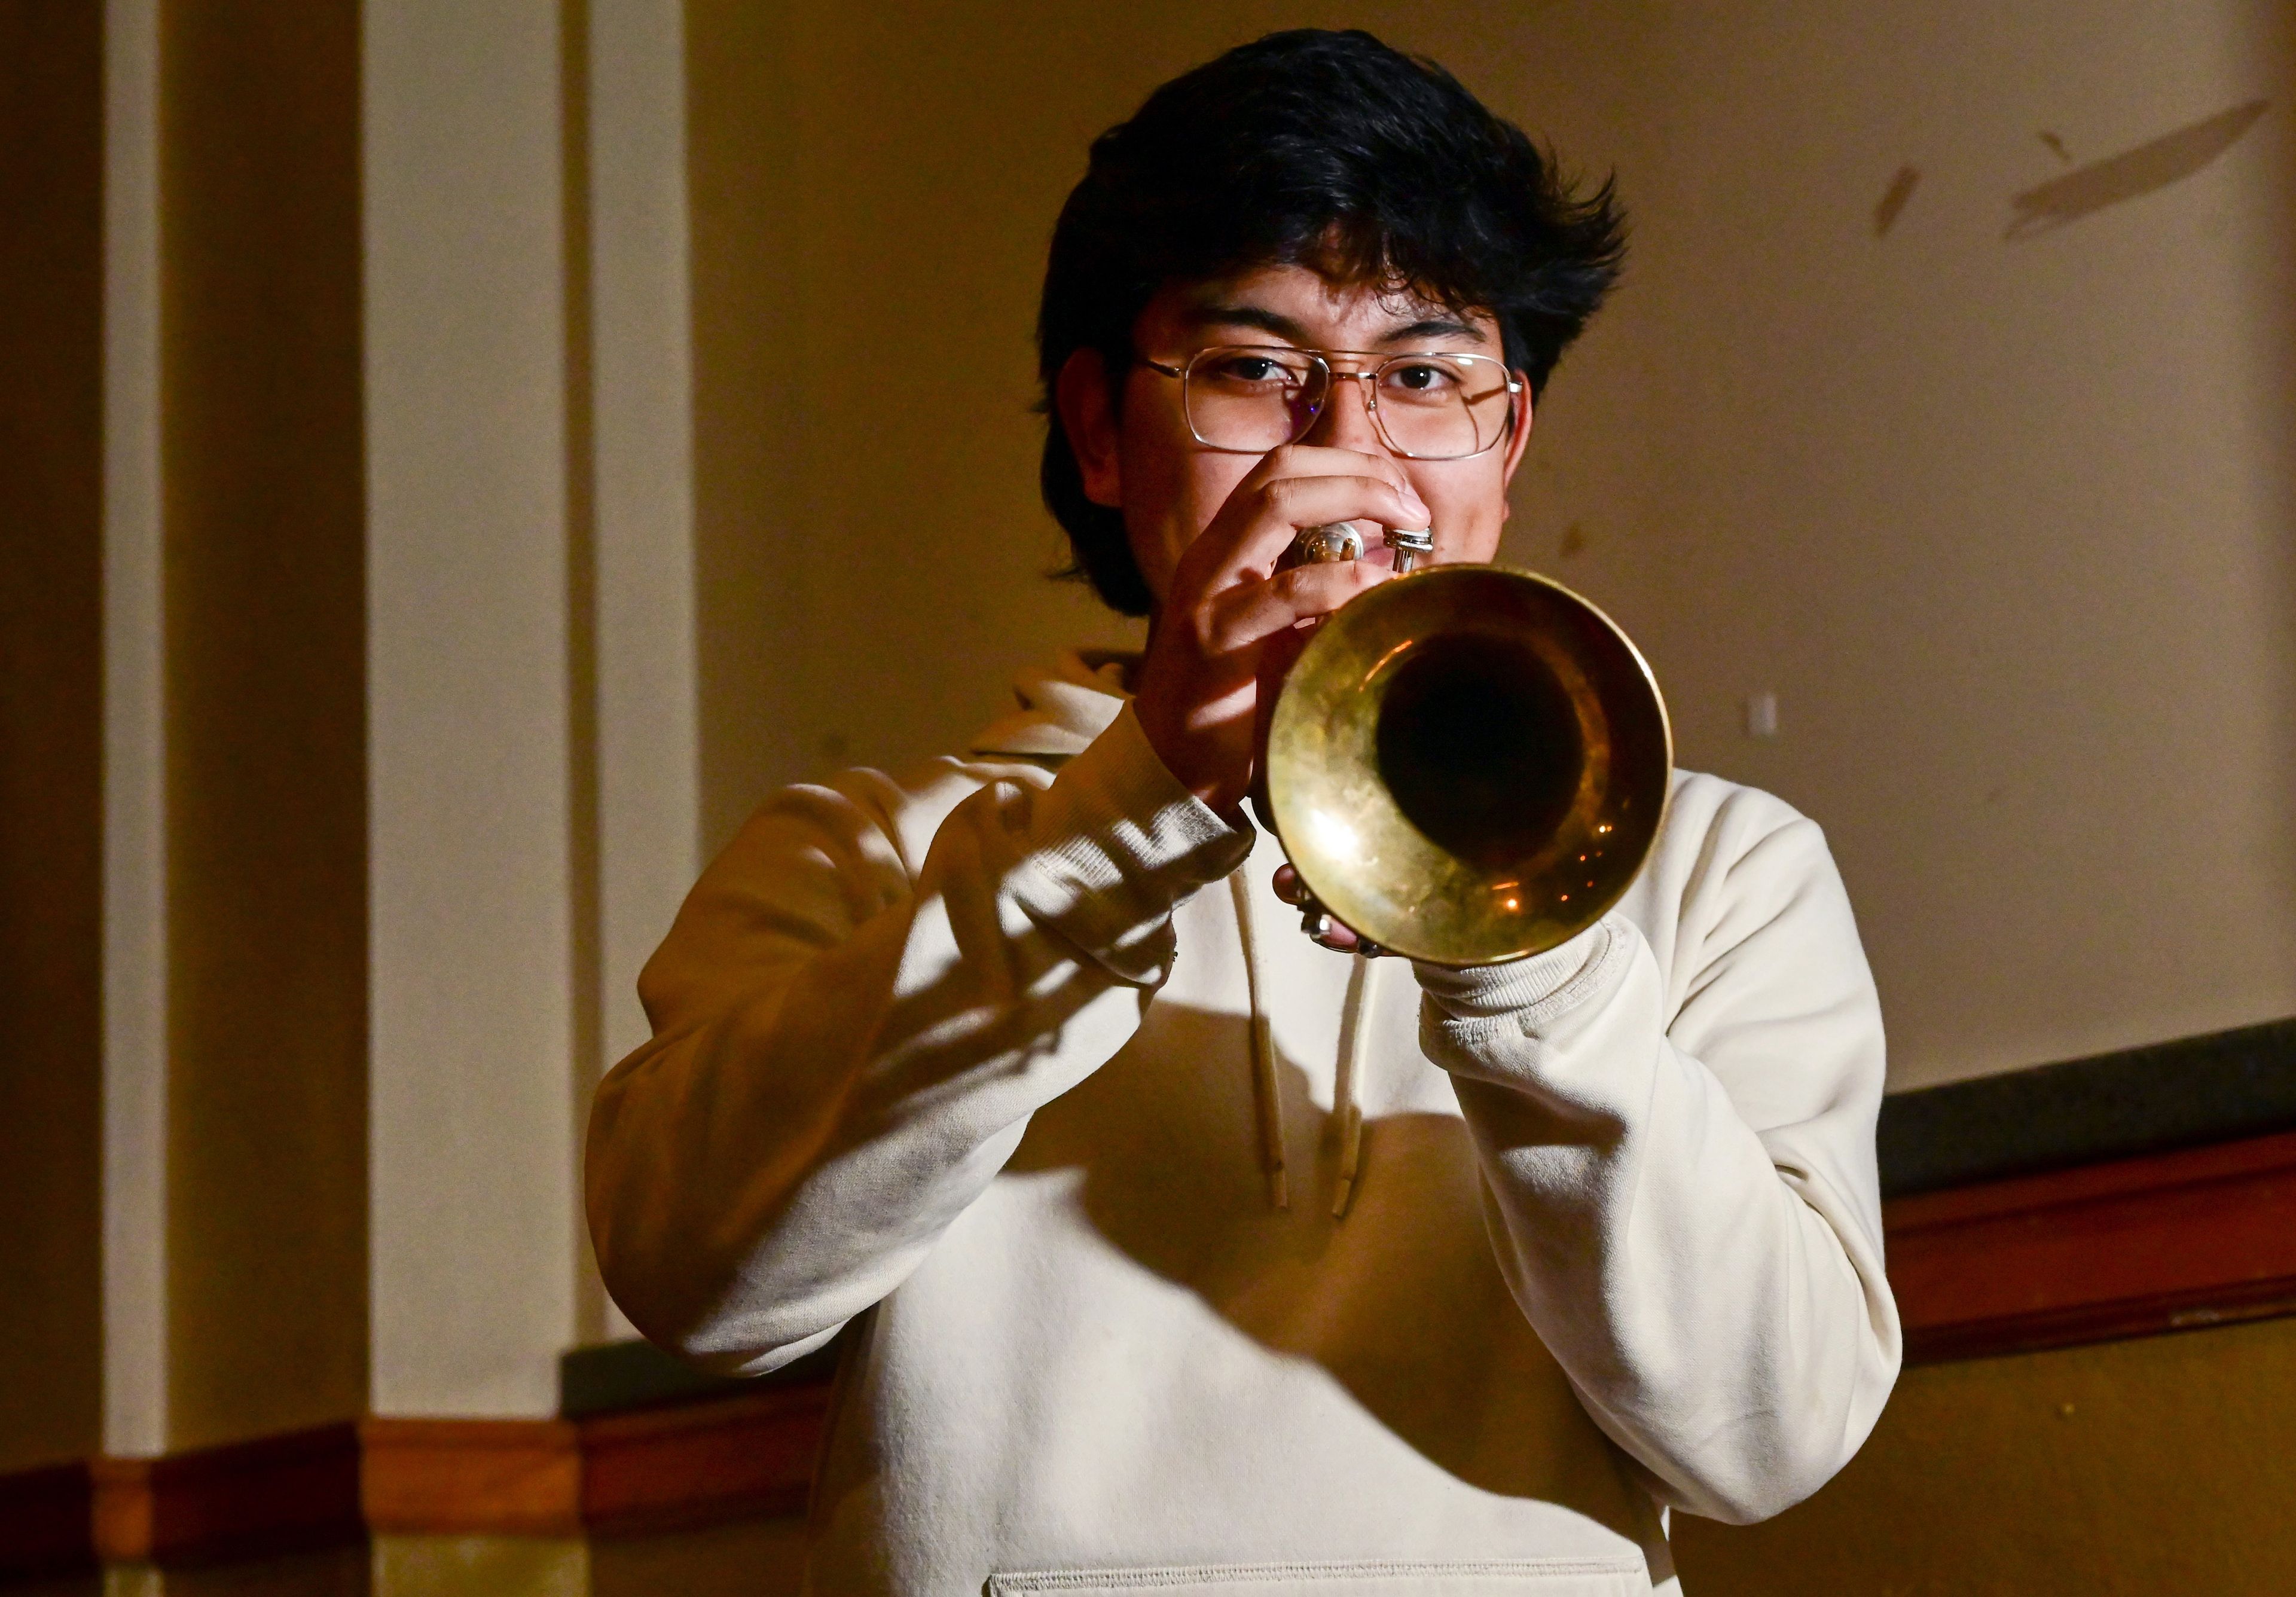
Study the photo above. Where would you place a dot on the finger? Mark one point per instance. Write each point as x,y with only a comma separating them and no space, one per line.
1279,652
1326,932
1255,546
1281,508
1258,504
1252,611
1297,461
1323,460
1261,519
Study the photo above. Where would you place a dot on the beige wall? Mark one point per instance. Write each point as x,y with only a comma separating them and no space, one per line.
479,1566
332,1572
2003,525
749,1559
2006,524
763,1558
872,190
2137,1468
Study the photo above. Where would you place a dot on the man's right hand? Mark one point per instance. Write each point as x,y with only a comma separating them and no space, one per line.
1199,684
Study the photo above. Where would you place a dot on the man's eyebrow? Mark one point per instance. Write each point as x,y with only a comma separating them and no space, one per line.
1436,327
1248,316
1217,315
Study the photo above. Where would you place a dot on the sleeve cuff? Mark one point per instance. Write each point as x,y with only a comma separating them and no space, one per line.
1523,993
1115,843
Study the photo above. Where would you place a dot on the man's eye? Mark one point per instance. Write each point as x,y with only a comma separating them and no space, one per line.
1422,378
1249,369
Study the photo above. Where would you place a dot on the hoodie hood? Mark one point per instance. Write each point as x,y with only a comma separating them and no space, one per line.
1065,703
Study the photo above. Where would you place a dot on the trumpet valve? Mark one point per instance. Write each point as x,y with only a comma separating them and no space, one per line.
1408,545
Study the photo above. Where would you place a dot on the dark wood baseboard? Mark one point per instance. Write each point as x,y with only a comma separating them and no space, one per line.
2172,1241
519,1477
274,1494
727,1458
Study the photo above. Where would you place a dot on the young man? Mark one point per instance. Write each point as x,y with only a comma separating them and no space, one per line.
1493,1265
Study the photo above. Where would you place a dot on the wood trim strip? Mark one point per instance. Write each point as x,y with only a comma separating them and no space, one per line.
271,1494
519,1478
2167,1242
731,1458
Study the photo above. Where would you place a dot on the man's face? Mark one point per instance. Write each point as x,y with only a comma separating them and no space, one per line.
1169,487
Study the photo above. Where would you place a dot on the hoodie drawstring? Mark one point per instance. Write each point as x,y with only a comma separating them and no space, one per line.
1267,1091
1268,1097
1352,1029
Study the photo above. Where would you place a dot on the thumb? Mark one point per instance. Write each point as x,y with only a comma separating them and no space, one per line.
1278,652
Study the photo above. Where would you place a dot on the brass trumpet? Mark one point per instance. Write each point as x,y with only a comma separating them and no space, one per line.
1467,763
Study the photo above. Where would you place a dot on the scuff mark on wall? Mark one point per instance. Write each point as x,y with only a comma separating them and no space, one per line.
1893,199
2132,173
2056,146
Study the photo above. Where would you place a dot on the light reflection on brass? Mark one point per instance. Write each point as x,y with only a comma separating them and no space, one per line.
1461,732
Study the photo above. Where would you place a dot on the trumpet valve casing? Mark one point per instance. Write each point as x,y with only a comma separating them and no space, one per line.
1327,545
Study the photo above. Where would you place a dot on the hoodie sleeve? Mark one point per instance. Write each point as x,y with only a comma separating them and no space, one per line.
1679,1170
848,1043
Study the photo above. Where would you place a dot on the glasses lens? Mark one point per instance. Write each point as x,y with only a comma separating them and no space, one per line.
1443,406
1245,398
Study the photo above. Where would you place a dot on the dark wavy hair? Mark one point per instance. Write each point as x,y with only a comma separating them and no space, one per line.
1322,149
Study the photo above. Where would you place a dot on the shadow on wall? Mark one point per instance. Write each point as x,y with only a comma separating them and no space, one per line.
2130,174
2140,1468
51,729
2152,165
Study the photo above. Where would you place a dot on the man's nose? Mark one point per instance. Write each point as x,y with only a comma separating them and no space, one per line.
1345,423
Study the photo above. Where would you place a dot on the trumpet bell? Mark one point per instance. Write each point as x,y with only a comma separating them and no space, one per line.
1468,764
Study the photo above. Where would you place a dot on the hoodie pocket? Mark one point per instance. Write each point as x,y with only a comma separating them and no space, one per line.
1488,1577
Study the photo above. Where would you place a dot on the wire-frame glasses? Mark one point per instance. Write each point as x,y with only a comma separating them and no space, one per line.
1249,398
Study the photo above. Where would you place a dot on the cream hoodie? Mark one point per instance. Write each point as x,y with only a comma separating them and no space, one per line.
964,1060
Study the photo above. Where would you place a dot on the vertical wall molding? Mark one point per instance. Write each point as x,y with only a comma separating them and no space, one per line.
647,762
472,1033
135,752
584,840
642,351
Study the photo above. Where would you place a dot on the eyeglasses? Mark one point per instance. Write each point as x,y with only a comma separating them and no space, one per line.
1249,398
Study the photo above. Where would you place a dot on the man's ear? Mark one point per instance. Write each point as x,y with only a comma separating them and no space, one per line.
1519,434
1087,412
1518,438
